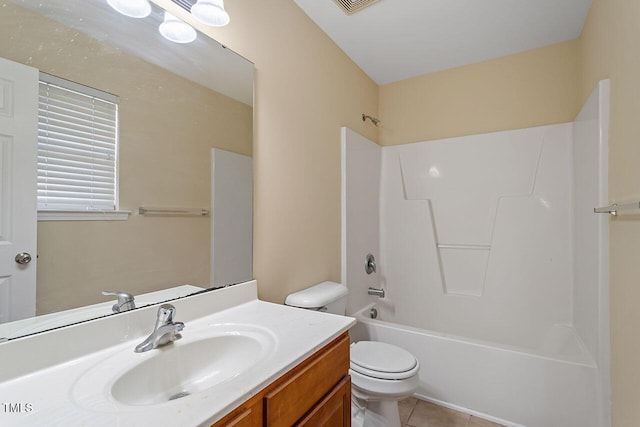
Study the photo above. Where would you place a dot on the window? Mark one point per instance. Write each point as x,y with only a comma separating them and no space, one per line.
77,148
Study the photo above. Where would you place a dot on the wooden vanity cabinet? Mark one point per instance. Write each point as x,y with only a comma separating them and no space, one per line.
317,392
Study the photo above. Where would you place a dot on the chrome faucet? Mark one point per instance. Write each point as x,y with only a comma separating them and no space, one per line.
125,301
376,292
165,331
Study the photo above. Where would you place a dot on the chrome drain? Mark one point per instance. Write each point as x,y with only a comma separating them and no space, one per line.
179,395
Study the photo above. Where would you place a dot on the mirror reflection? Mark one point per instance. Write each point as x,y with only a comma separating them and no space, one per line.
184,144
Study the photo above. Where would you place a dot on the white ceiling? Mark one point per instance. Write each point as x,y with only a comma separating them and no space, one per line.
397,39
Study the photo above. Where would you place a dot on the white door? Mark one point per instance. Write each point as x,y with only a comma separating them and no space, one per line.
231,217
18,186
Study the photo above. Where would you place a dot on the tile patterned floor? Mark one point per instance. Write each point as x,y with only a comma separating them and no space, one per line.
418,413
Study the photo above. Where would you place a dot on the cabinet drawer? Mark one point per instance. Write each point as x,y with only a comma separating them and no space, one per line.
308,383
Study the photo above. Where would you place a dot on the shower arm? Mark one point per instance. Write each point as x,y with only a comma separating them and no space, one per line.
374,120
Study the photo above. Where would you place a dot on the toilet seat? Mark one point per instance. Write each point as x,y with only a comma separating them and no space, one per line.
383,361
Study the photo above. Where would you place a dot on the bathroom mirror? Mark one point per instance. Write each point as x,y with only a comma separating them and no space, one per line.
178,102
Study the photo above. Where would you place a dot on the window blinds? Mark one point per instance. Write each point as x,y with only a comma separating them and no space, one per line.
77,147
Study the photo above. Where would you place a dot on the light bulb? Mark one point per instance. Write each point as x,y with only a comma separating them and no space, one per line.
210,12
176,30
131,8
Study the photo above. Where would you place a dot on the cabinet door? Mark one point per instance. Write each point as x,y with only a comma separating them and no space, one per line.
307,385
332,411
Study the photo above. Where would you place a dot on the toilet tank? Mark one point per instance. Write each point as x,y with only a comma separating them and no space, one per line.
330,297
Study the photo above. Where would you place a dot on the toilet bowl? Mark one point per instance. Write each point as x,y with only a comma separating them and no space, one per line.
381,374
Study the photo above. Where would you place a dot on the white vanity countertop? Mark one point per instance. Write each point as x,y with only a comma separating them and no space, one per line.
59,395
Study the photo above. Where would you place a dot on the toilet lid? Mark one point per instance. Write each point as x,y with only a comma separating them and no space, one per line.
381,360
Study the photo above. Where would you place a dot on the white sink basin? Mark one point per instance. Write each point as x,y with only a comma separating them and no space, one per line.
198,362
183,370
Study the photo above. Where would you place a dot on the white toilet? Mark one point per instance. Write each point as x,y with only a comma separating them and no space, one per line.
381,374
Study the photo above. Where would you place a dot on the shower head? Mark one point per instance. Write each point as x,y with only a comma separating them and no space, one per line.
373,119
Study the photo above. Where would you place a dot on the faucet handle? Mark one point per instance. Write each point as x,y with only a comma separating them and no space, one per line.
125,301
166,313
370,264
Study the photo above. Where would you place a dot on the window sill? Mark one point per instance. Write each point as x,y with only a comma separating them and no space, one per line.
83,215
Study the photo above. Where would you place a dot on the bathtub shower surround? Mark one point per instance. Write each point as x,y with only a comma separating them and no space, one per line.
591,239
360,215
476,234
493,265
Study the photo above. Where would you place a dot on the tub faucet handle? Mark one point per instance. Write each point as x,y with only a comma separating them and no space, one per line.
370,264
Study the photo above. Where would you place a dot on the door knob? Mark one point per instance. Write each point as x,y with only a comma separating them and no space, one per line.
23,258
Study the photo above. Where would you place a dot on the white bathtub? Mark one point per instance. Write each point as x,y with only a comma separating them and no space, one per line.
553,385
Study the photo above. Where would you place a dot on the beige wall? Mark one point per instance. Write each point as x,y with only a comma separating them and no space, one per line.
306,89
532,88
609,49
167,128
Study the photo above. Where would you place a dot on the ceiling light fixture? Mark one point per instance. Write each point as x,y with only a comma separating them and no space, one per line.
211,12
176,30
131,8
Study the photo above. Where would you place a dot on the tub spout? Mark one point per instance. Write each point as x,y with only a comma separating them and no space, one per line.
376,292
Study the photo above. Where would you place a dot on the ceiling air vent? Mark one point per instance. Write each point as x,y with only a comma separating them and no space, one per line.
185,4
352,6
